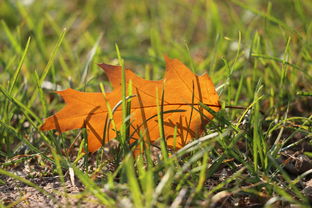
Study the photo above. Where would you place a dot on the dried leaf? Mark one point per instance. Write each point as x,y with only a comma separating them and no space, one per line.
183,90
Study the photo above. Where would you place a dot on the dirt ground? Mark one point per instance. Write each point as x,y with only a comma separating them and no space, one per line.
16,193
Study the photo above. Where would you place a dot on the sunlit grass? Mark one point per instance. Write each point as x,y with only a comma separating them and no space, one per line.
257,53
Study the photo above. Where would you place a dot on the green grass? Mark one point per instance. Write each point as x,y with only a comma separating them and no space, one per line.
258,54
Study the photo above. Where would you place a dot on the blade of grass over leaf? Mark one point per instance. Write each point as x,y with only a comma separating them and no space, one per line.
124,126
160,118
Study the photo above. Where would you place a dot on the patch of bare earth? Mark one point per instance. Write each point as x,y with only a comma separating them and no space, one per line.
16,193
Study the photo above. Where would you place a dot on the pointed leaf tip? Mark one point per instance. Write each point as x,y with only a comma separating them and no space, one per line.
107,67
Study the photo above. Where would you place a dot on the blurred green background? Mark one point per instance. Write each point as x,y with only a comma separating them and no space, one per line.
146,30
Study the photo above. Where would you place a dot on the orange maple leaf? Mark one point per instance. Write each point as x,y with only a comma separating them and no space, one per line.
183,90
